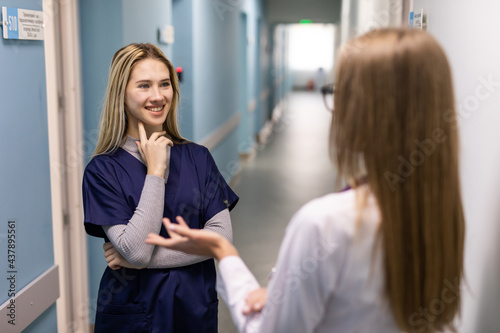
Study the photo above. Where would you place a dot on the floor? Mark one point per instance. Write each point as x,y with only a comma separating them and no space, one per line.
293,168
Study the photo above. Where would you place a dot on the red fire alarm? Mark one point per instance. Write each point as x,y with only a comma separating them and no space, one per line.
179,73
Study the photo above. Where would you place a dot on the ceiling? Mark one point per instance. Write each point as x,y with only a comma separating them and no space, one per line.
292,11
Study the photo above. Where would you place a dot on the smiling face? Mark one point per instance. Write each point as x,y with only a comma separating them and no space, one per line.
148,96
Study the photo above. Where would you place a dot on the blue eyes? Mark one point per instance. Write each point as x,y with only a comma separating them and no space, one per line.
146,86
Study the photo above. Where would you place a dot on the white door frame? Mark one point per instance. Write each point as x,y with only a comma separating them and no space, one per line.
63,71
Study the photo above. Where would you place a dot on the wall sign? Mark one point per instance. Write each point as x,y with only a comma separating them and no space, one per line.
420,20
166,35
22,23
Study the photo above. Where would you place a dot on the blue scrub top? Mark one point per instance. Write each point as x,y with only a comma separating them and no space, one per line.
180,299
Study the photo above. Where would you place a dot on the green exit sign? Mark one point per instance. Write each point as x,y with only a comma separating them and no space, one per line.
305,21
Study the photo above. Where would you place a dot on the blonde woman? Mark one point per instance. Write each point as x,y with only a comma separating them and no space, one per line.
386,255
143,170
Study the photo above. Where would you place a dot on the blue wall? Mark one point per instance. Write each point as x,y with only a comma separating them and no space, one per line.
182,56
254,11
208,48
25,170
263,82
225,74
244,85
215,67
141,20
279,80
46,322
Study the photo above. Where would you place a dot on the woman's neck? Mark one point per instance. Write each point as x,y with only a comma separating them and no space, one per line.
133,130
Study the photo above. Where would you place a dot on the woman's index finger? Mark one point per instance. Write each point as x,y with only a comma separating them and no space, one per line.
142,131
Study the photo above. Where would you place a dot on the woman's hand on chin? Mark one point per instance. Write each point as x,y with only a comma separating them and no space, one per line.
153,150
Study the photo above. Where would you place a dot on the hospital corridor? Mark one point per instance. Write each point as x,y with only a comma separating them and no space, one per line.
273,185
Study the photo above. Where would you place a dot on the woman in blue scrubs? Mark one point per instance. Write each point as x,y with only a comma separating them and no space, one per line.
143,170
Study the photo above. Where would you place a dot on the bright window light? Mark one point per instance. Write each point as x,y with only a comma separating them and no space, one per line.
311,46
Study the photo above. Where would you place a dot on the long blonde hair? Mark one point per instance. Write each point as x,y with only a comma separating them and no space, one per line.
394,126
114,122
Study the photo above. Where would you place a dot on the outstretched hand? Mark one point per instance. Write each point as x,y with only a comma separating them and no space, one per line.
201,242
255,301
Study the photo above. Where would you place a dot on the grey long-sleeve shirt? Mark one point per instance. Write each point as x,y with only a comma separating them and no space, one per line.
129,238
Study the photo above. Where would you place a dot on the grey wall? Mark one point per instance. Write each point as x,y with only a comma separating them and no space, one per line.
360,16
468,32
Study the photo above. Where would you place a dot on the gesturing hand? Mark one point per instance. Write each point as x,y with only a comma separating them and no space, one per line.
255,301
115,259
201,242
154,150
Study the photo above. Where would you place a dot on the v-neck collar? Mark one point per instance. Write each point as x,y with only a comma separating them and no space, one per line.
130,147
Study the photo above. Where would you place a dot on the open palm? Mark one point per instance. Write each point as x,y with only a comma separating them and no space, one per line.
201,242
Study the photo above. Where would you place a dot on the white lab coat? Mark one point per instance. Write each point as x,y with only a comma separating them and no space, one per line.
328,278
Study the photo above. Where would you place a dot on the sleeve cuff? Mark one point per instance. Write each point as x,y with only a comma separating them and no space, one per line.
154,179
234,284
232,265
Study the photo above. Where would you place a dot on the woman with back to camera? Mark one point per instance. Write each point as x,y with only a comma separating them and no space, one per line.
143,170
387,254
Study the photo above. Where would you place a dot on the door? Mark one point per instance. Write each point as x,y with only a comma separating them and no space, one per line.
29,280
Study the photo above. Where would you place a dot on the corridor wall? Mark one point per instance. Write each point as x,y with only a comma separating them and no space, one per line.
226,69
360,16
474,54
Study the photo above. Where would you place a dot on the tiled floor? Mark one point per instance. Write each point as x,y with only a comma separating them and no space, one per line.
292,169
